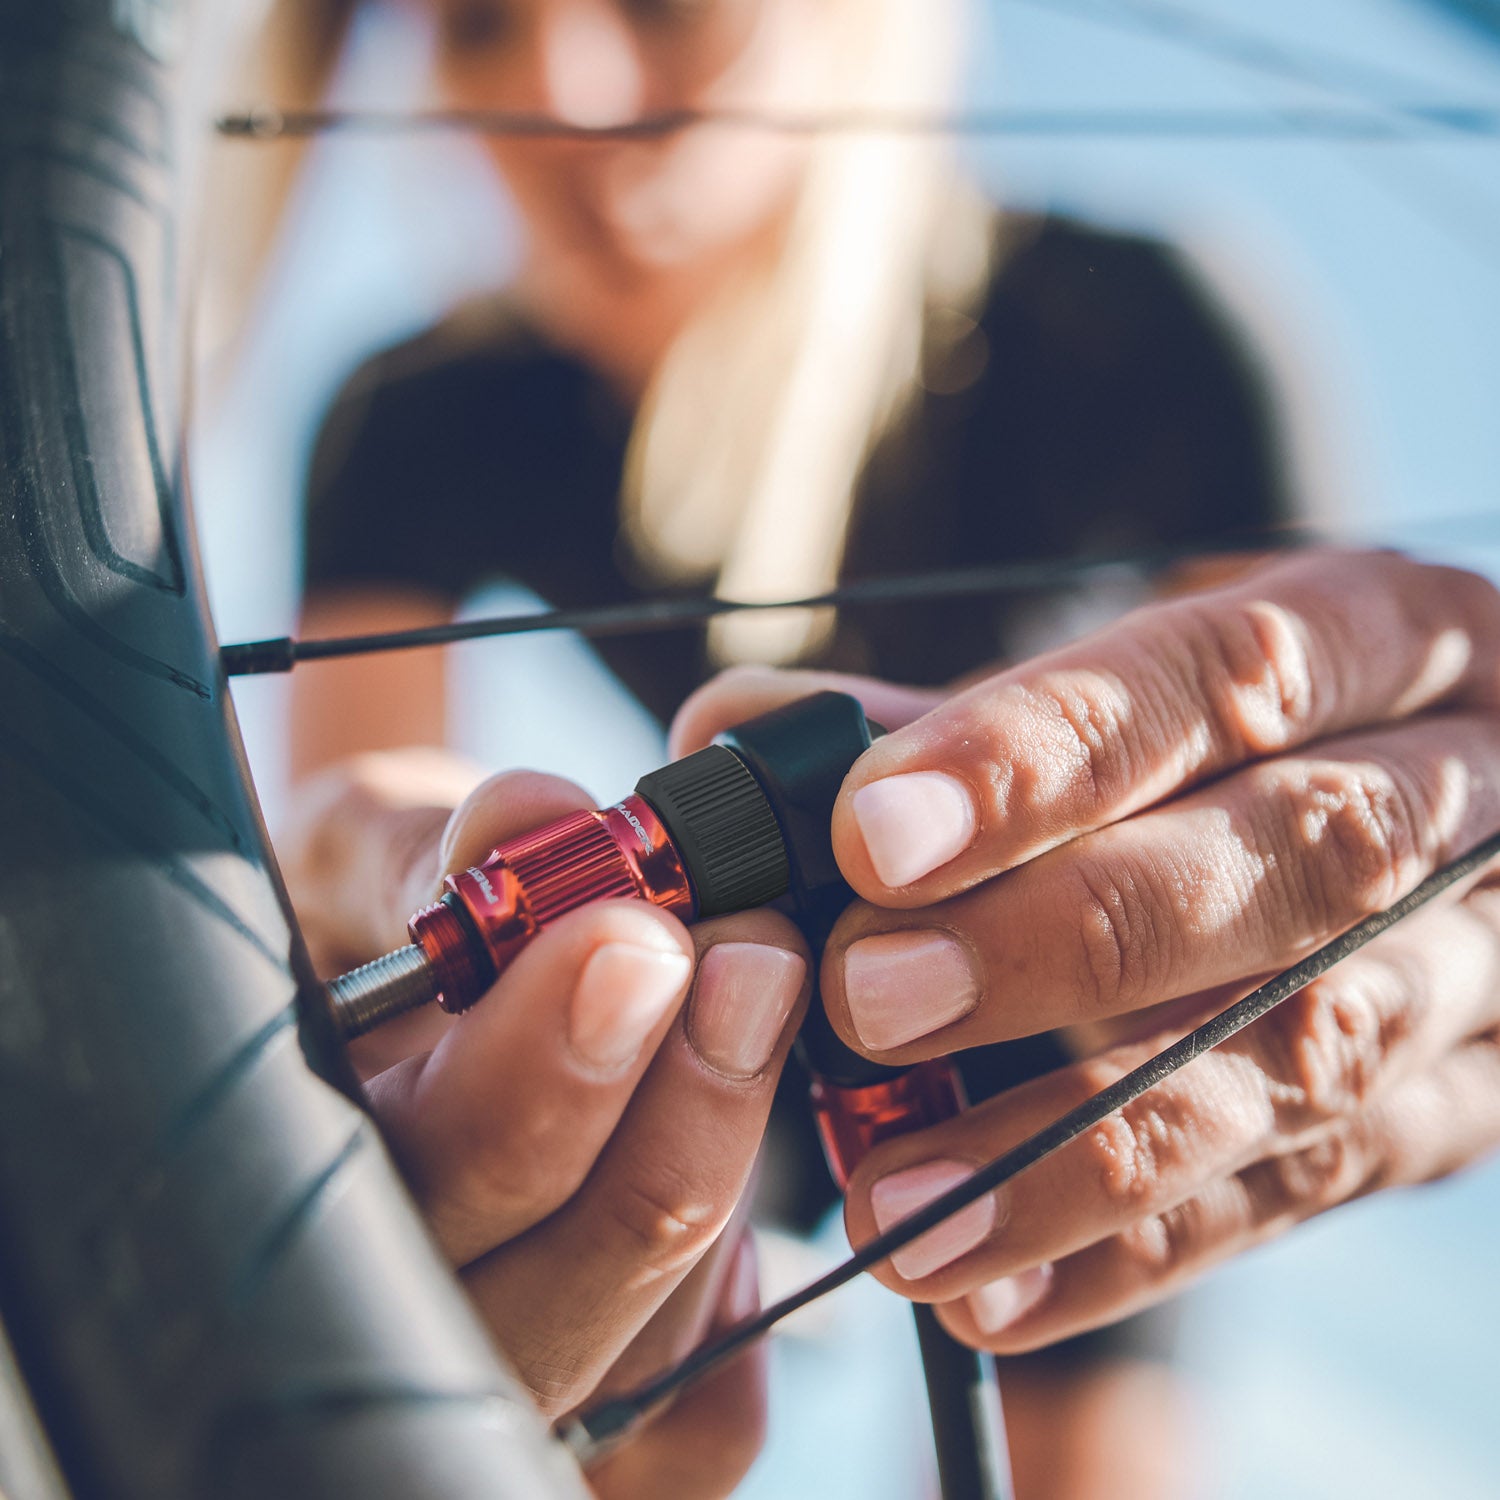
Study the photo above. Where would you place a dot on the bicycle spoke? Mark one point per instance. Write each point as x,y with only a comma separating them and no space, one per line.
649,616
1382,123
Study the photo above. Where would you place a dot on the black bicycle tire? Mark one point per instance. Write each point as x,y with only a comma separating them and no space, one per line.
211,1278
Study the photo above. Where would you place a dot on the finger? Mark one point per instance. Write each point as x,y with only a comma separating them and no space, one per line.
498,808
683,1320
503,1120
744,692
356,834
1177,692
1319,1060
1429,1126
704,1443
1246,876
670,1177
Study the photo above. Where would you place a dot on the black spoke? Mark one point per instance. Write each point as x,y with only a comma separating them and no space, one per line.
594,1430
645,617
650,616
1375,124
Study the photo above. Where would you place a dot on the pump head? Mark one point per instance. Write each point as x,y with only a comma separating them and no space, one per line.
744,822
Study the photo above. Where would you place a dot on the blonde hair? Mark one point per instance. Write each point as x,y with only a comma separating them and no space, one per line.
747,450
748,446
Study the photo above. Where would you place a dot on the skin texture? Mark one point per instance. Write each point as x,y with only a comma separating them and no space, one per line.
1164,814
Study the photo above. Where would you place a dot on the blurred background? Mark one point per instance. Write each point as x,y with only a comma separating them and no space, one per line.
1353,1358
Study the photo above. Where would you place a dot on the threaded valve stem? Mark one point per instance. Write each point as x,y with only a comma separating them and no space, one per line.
367,997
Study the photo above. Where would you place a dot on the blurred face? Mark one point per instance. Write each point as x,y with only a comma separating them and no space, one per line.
625,215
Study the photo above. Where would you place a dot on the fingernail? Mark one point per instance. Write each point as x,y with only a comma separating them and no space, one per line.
623,992
912,824
902,985
741,1000
893,1198
998,1304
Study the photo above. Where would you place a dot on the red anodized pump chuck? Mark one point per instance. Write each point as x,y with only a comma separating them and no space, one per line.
698,837
852,1121
527,882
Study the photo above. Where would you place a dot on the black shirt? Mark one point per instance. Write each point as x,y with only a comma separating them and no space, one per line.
1098,403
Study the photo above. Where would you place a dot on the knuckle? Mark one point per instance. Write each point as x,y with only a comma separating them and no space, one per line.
1353,836
1105,952
1123,949
1326,1049
1137,1152
1147,1247
666,1224
1115,1156
1161,1245
1084,727
1256,675
1320,1176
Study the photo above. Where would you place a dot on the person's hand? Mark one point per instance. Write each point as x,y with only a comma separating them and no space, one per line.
360,847
1168,812
579,1140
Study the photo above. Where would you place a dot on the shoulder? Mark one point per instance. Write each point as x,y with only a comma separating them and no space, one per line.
1118,392
452,384
1076,288
479,403
451,426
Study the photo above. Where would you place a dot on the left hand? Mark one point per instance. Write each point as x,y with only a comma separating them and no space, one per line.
1170,811
581,1140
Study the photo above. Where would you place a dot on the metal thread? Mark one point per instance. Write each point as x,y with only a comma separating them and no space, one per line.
367,997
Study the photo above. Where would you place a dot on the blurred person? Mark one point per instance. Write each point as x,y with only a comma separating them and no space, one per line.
762,363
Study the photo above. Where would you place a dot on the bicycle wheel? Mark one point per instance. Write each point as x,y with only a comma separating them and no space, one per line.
210,1276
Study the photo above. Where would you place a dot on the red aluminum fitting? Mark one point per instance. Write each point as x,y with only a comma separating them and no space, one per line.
852,1121
527,882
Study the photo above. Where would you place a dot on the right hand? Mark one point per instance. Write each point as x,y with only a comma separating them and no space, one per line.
1124,836
579,1142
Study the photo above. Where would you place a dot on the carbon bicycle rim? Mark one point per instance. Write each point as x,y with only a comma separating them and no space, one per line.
212,1283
